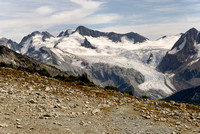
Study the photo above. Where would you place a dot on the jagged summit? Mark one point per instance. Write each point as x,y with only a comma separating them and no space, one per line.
184,50
27,44
44,35
89,32
115,37
66,33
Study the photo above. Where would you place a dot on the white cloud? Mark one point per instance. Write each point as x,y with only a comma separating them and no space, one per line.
23,17
155,31
44,10
88,4
39,18
158,1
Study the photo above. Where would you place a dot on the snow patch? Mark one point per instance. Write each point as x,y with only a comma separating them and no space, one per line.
192,62
179,48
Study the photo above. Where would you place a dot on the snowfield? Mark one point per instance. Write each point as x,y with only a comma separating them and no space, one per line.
125,54
143,57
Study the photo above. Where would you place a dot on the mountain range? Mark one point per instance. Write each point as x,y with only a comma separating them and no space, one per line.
128,61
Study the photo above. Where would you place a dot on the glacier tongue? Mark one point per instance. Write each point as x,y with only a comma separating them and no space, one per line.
153,79
128,55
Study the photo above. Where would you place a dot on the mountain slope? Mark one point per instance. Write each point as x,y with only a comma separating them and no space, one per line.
182,61
9,43
184,50
191,95
11,58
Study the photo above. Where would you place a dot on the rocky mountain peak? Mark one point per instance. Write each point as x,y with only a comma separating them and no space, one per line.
192,30
136,37
183,51
89,32
115,37
46,35
66,33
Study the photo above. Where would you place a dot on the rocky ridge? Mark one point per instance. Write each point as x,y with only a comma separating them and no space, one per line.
42,104
115,37
13,59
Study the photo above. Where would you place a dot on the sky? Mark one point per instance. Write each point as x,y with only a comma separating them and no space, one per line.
150,18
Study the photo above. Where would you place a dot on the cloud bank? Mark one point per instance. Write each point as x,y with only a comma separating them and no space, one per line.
150,18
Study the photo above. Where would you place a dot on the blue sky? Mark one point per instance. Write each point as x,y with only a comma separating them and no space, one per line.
150,18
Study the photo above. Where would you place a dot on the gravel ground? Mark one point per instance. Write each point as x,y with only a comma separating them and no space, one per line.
30,103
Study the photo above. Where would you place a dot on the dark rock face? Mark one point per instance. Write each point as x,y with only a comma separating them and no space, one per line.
87,44
191,95
136,37
46,35
187,76
185,51
123,78
115,37
150,58
88,32
66,33
198,39
38,55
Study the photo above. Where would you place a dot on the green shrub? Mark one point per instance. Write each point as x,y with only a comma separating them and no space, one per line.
122,92
2,64
129,92
111,88
44,72
145,97
80,79
59,77
84,78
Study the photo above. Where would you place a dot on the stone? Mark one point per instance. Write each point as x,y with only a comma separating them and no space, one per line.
147,117
47,89
47,115
178,123
18,123
84,113
32,101
174,132
163,119
82,123
95,111
19,126
3,125
18,120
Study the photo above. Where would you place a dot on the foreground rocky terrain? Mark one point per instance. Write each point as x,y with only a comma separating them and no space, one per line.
30,103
